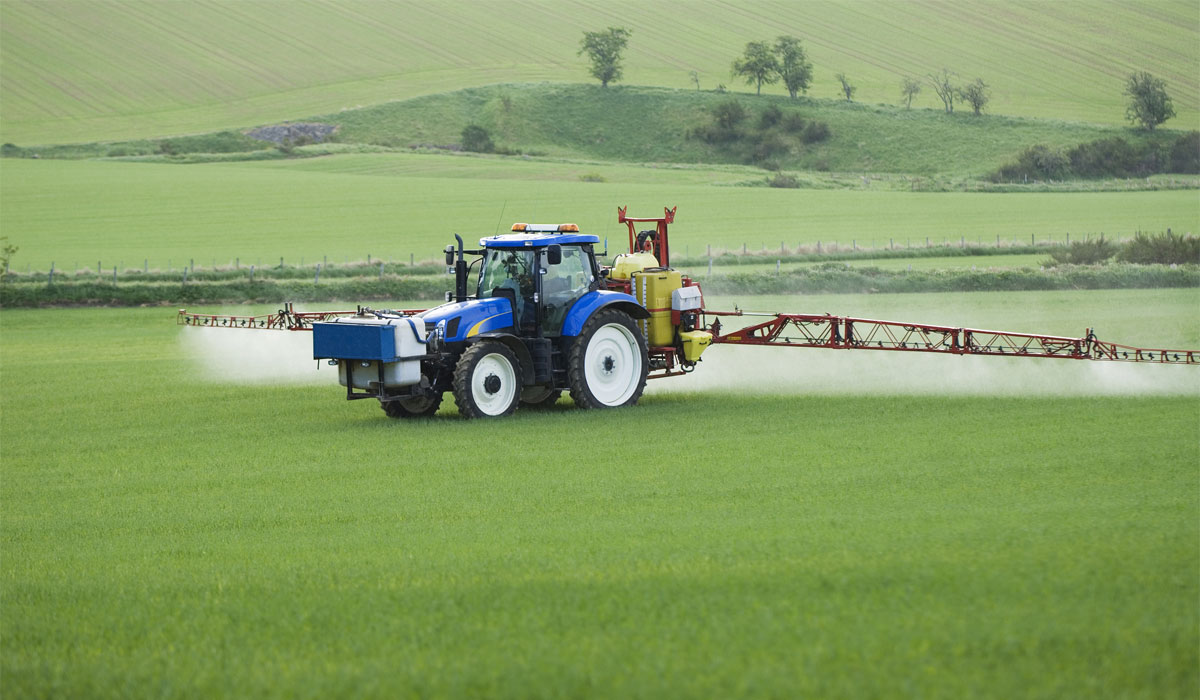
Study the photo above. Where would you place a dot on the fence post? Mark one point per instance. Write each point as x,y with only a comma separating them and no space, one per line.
114,274
317,277
51,272
192,264
743,247
854,243
818,247
410,260
777,267
962,242
710,250
185,276
710,267
251,273
146,265
380,269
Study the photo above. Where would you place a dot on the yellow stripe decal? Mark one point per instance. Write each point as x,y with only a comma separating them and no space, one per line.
475,328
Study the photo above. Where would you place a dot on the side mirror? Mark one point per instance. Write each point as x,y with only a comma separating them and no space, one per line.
449,255
554,254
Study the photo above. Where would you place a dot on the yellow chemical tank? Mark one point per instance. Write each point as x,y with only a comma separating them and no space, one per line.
652,289
625,264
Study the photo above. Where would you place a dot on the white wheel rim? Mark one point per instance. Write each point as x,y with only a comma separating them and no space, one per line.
496,402
612,364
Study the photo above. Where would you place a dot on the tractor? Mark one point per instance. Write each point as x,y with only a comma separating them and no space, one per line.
544,317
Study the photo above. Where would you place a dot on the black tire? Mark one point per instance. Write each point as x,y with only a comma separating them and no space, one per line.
412,407
539,398
608,362
487,380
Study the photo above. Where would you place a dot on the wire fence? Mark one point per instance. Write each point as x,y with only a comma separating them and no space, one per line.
684,253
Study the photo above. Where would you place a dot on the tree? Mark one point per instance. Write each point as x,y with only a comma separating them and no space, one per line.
944,88
792,65
910,88
604,49
757,65
7,251
847,88
975,94
1149,103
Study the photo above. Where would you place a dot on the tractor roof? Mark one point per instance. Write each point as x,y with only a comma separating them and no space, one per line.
537,235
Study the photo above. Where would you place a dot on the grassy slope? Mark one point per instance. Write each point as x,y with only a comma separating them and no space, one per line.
180,538
128,212
641,124
84,71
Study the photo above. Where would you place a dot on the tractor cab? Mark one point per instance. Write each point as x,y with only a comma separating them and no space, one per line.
542,270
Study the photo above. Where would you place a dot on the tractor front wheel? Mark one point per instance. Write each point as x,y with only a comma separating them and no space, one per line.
487,380
412,407
608,363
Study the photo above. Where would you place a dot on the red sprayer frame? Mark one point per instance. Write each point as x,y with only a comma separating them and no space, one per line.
662,247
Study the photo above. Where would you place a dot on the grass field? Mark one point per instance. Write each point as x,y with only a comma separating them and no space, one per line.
86,71
126,213
167,533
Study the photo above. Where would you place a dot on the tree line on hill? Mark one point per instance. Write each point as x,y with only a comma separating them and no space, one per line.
785,61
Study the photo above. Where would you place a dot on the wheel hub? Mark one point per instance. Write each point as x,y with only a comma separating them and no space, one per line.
608,364
491,384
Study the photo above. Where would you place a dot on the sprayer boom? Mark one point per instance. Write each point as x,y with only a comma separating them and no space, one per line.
286,319
848,333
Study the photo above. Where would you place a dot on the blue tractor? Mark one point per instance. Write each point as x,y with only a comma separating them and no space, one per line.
540,320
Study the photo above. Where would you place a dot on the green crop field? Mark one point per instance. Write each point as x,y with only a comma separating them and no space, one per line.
196,513
81,213
85,71
173,527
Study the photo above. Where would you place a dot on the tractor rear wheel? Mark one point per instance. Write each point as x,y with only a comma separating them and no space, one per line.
608,363
412,407
487,380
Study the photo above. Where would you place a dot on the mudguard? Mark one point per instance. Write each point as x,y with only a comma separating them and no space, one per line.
592,302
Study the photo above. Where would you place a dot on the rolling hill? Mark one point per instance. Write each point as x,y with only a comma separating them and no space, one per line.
87,70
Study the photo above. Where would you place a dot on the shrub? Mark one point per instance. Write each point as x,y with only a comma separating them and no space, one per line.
815,132
1185,154
1110,157
784,180
768,147
1115,157
477,139
770,117
1038,162
792,123
1164,248
1082,253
